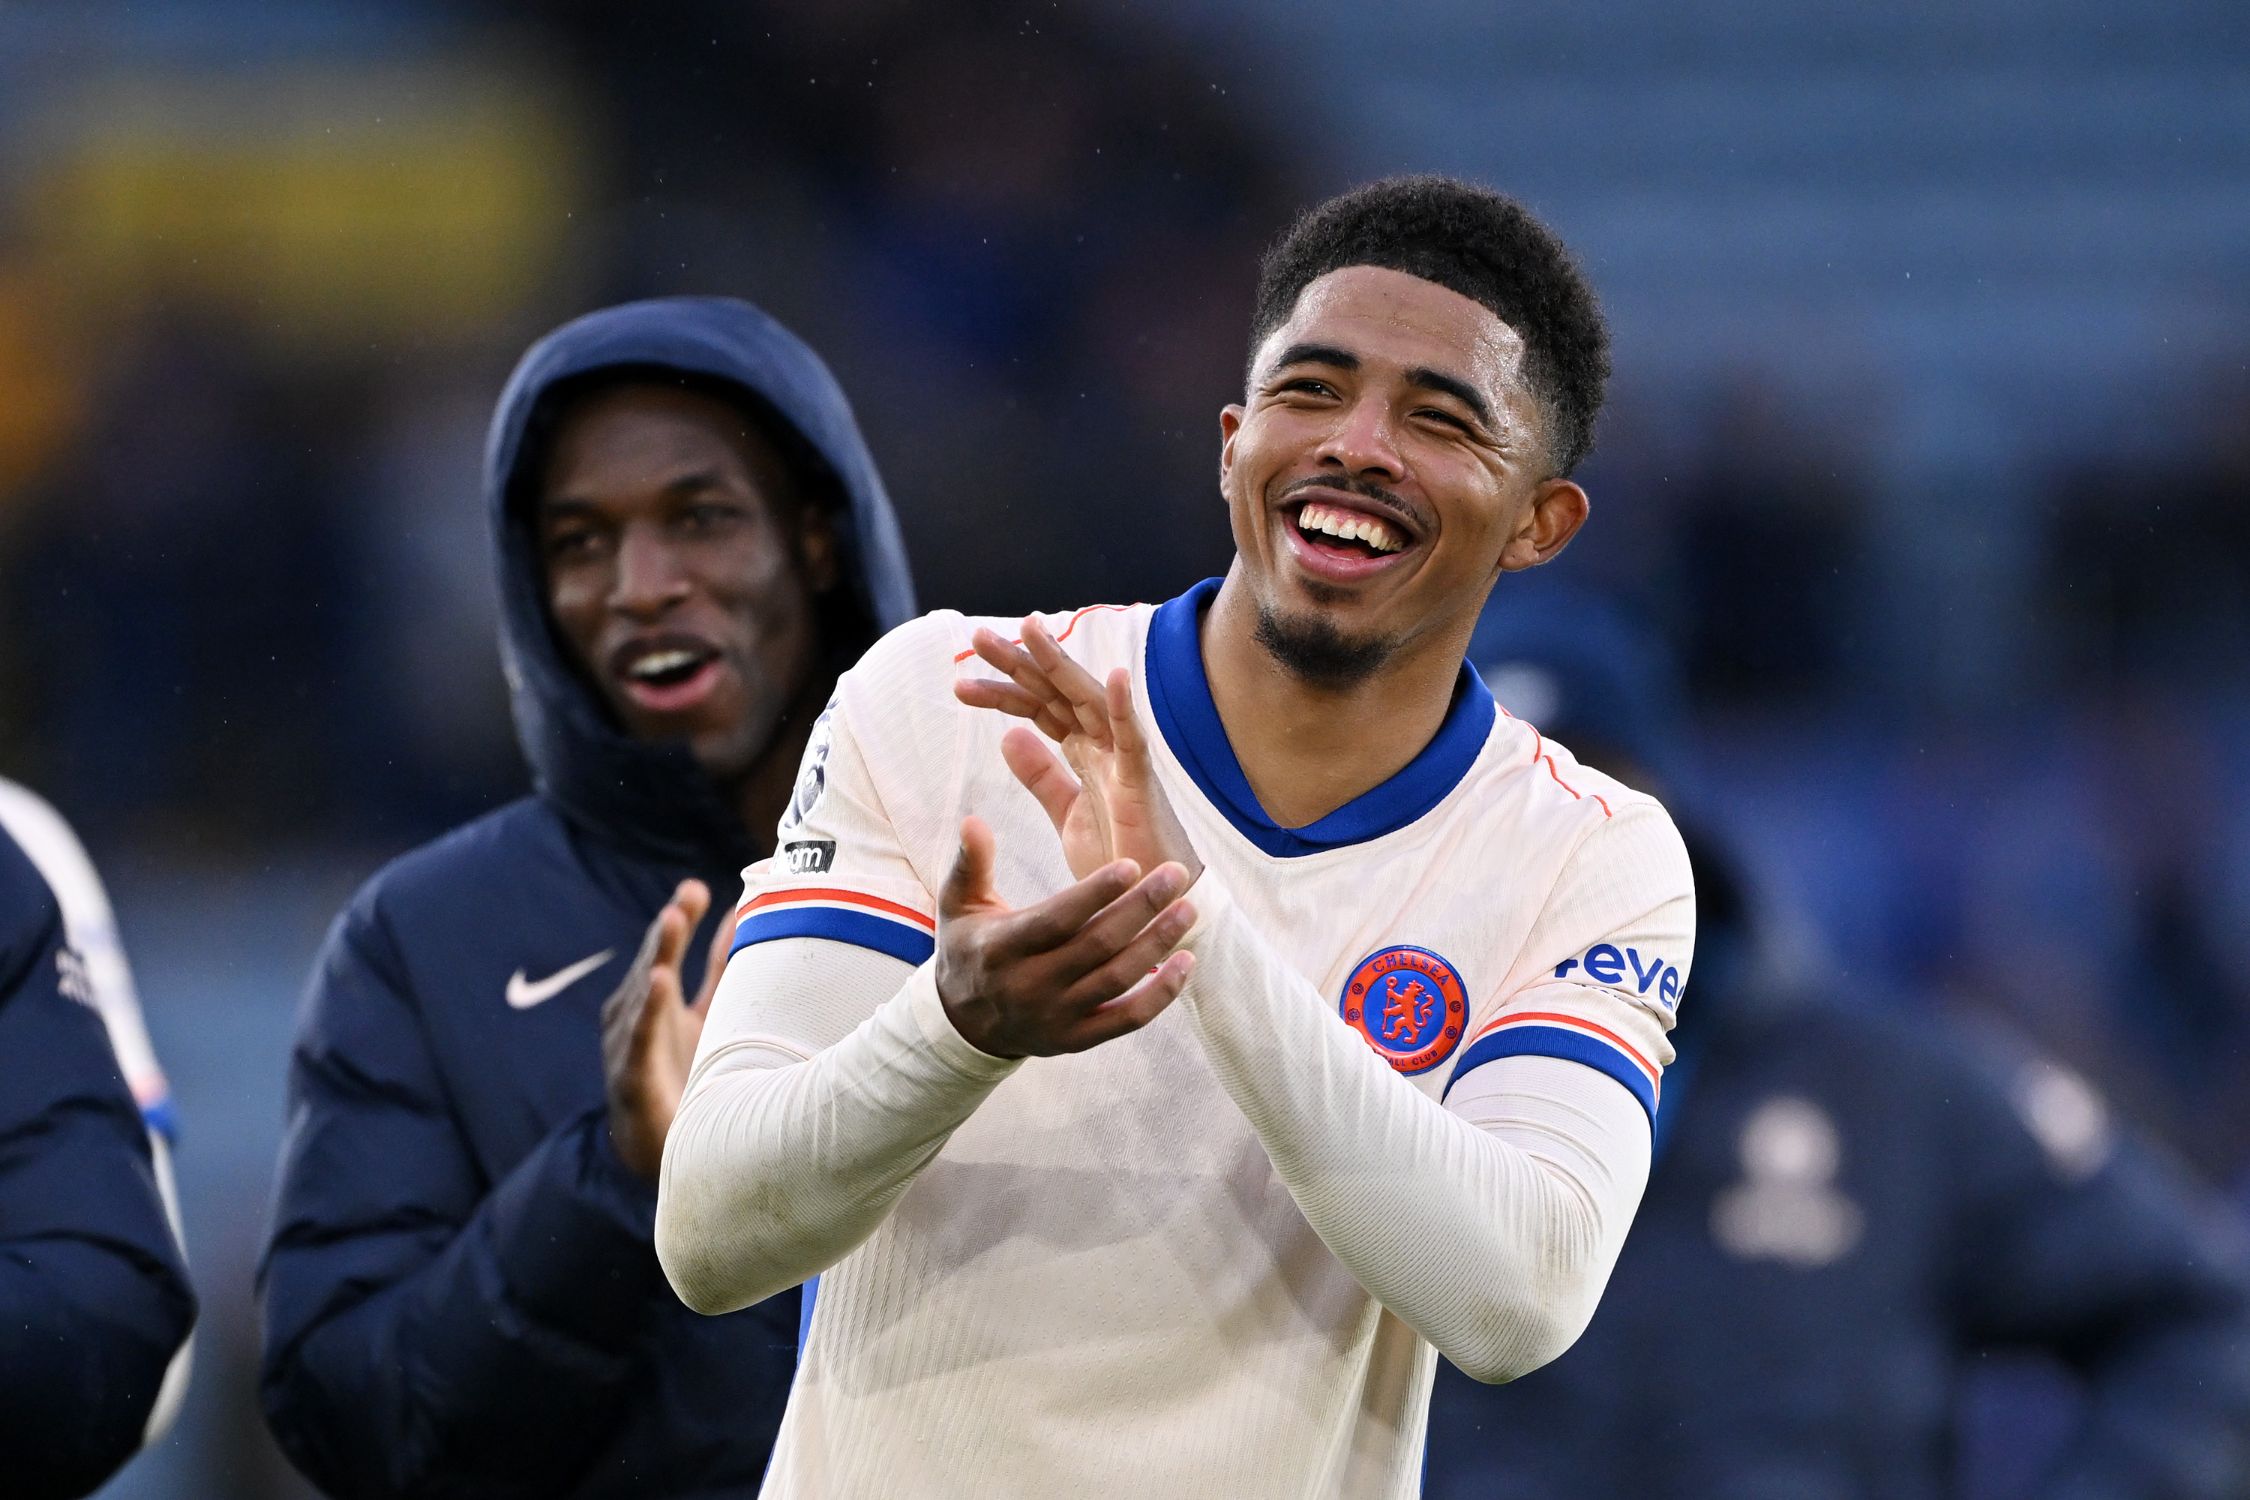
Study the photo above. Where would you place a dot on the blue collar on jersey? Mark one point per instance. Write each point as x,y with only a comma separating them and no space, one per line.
1181,695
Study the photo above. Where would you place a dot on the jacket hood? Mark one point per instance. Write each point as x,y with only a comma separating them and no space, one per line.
654,798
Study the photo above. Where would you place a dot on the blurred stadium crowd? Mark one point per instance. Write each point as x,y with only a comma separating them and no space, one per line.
1929,451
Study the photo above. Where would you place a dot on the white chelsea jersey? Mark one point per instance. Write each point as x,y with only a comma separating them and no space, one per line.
1101,1262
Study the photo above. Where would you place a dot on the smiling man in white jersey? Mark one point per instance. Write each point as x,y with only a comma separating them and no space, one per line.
1074,1238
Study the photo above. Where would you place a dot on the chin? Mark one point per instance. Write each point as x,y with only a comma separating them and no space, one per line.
725,758
1312,646
734,752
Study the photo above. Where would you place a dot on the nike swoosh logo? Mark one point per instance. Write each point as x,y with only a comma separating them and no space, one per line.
524,994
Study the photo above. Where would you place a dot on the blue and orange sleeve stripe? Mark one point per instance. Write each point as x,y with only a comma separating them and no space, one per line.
840,915
1540,1033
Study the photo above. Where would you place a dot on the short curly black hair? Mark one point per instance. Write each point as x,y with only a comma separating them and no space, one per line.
1474,241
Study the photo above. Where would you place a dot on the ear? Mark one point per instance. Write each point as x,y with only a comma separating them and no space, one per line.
1558,509
1230,427
819,547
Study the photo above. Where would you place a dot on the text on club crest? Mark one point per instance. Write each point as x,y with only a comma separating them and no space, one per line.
1410,1005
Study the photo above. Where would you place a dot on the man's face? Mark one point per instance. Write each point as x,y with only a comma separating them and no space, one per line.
1389,463
682,567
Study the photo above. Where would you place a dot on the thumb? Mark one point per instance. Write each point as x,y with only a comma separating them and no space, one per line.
969,884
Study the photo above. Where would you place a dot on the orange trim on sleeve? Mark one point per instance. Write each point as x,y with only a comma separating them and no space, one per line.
1060,635
835,894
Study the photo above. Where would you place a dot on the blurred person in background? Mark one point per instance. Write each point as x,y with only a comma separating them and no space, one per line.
1851,1204
460,1293
90,930
95,1306
1061,214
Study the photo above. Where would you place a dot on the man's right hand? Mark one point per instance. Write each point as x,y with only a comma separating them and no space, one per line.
1082,967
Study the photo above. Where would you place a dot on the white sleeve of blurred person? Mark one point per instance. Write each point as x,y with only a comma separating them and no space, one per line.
92,930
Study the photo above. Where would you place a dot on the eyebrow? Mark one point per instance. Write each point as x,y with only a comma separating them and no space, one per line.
693,482
1460,390
1421,375
1317,354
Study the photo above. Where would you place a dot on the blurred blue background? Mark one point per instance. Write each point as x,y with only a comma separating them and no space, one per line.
1929,447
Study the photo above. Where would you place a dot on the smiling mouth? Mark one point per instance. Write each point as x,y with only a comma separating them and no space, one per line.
667,668
1351,533
667,676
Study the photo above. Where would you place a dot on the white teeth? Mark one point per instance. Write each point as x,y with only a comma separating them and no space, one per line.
1349,526
657,663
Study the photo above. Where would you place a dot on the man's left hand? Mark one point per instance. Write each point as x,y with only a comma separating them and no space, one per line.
649,1030
1106,803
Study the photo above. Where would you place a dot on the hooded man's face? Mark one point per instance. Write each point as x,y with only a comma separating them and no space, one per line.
683,562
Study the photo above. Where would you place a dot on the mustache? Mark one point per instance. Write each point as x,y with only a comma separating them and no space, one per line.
1364,489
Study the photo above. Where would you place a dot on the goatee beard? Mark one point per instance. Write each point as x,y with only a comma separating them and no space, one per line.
1317,652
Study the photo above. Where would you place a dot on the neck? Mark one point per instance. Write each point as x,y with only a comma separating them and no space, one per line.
763,791
1307,749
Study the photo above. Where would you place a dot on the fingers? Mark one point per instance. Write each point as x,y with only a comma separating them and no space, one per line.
635,1013
691,899
625,1014
1049,924
1052,711
1108,951
1149,949
1008,698
1087,964
1067,677
675,926
1068,700
1042,774
968,885
1111,932
1124,723
620,1012
666,943
1141,1004
664,991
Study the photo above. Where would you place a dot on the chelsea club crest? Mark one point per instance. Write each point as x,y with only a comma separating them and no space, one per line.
1410,1005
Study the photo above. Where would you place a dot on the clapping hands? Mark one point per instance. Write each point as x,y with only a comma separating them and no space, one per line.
1097,960
1106,803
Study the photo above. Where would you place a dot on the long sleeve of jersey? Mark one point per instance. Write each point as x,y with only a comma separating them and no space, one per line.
781,1161
1488,1222
828,1074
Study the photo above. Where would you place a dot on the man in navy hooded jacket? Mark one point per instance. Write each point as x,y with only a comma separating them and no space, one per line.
94,1299
460,1292
1852,1203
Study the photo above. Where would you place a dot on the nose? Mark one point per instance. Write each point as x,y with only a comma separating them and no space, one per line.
1362,442
650,579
